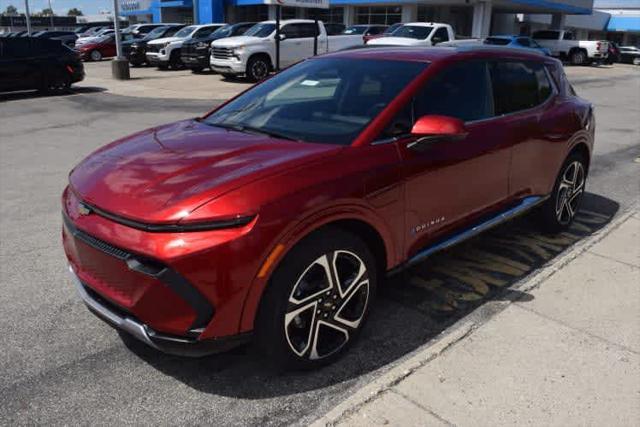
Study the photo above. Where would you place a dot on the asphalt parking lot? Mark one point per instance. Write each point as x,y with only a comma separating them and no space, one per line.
61,365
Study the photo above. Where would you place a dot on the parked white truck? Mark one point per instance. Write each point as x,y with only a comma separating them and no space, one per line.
165,52
253,54
562,44
418,34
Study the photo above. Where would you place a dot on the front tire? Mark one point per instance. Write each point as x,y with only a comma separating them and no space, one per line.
317,301
258,68
559,211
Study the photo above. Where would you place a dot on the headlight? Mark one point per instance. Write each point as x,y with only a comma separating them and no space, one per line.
201,45
238,50
166,44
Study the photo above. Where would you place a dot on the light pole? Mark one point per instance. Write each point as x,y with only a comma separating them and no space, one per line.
51,16
120,65
26,7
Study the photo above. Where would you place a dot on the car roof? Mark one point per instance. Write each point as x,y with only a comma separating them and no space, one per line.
437,54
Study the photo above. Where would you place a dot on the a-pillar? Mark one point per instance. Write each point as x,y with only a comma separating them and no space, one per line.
481,19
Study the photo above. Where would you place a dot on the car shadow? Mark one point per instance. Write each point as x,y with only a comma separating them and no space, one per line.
412,308
31,94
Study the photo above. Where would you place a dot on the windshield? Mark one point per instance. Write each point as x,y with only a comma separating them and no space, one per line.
327,100
104,39
497,41
155,33
185,31
356,29
392,28
261,30
223,31
413,32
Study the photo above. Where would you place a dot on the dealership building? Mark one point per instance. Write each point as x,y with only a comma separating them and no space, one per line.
469,17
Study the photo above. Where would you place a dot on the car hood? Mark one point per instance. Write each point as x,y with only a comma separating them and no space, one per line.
166,39
237,41
398,41
162,174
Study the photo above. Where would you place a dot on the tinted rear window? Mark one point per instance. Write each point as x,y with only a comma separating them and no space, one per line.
515,86
496,41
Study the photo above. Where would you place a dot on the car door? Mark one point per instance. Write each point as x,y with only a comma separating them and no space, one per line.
18,70
450,182
298,43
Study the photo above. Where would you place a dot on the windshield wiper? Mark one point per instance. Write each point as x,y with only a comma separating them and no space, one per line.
251,129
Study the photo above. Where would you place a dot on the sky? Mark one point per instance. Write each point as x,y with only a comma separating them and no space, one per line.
60,7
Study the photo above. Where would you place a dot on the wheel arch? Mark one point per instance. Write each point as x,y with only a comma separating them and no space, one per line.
582,149
374,234
264,55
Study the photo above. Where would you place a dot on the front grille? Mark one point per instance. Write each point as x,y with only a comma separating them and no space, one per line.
95,242
222,52
153,48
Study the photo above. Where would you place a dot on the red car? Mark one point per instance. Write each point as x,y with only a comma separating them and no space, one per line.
104,47
276,215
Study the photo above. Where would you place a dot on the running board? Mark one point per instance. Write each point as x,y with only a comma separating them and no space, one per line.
525,205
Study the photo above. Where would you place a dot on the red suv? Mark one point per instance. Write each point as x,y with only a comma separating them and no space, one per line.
276,215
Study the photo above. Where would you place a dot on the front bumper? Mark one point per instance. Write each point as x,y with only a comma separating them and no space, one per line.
155,58
180,346
228,66
195,61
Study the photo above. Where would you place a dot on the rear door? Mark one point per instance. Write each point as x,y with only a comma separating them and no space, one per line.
298,43
18,66
450,182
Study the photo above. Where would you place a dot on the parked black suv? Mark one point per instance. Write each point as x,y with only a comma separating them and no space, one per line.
66,37
195,52
135,50
34,63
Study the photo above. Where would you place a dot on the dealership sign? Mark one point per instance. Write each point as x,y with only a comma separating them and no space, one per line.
318,4
132,5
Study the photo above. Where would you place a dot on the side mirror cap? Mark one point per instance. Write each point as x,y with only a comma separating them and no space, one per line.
282,36
437,128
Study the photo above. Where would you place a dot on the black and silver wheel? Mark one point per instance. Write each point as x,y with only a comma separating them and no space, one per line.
95,55
257,68
317,300
560,209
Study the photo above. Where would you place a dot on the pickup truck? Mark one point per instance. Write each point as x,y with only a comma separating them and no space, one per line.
418,34
562,44
165,52
253,54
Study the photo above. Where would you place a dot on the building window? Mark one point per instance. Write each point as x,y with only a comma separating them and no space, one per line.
287,12
254,13
381,15
333,15
426,14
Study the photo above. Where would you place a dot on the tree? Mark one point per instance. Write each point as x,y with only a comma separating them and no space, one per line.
11,11
47,12
74,12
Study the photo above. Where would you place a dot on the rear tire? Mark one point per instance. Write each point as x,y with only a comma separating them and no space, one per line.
317,301
95,55
578,57
197,70
558,212
228,76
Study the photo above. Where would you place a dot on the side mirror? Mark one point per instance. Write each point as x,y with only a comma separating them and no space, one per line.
435,128
282,36
435,40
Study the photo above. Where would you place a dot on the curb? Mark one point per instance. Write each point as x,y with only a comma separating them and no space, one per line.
462,329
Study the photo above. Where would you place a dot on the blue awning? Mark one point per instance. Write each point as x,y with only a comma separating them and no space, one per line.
624,23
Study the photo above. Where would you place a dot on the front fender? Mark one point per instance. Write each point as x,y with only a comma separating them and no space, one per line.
299,230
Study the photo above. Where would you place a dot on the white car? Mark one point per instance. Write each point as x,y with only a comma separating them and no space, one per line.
418,34
165,52
562,44
254,53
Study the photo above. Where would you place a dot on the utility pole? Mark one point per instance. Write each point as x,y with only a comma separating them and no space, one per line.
26,6
120,65
196,12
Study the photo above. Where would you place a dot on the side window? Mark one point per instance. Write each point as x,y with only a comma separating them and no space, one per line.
567,36
515,86
291,31
441,35
462,91
308,30
171,31
544,85
401,124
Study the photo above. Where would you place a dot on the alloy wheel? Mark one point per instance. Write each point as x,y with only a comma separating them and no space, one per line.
259,70
327,305
569,191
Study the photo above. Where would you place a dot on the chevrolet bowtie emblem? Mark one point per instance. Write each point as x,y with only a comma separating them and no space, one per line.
83,209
